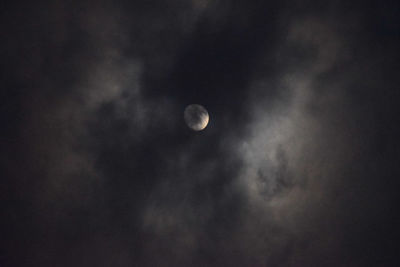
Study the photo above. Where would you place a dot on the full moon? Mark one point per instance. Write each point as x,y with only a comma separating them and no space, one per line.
196,117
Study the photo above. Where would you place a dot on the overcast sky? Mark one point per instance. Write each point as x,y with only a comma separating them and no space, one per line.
298,165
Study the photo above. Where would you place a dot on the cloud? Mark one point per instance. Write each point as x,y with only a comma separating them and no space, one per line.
285,174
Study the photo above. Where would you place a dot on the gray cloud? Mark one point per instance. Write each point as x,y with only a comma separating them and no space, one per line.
282,176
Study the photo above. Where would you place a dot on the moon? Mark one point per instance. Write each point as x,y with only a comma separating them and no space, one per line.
196,117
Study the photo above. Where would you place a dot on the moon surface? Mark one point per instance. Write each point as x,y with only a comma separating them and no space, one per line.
196,117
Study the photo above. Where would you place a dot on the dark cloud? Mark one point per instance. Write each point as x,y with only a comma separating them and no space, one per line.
297,167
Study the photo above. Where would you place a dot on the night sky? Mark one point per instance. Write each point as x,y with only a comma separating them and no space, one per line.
298,166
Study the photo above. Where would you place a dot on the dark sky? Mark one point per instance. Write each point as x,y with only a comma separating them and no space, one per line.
298,166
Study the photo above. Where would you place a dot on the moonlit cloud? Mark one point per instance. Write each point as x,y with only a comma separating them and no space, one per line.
295,167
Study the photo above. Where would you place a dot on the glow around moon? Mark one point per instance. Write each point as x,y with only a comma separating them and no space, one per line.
196,117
